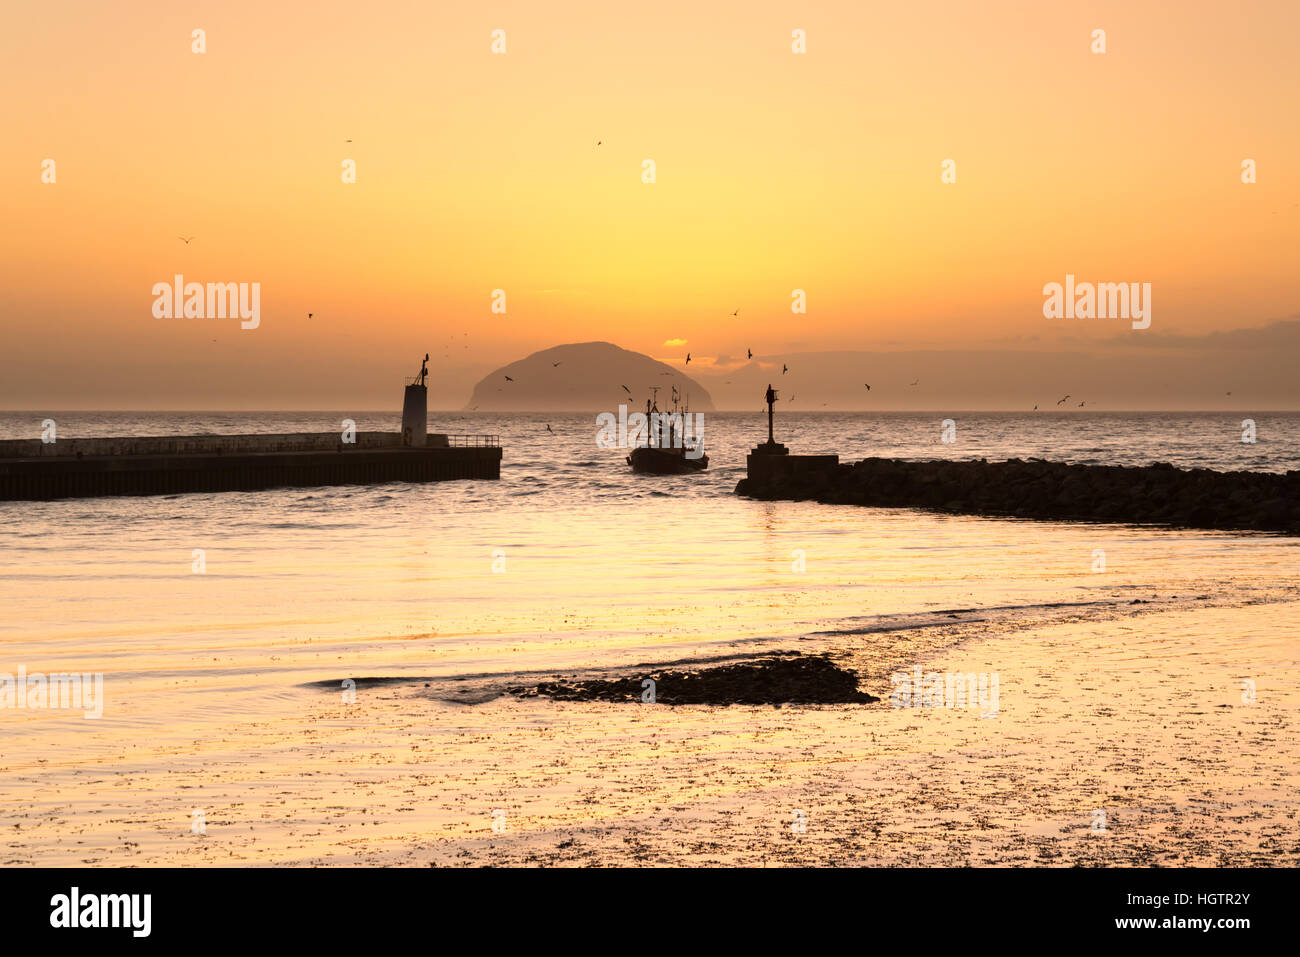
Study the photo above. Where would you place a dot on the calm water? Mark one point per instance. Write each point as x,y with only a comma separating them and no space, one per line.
568,561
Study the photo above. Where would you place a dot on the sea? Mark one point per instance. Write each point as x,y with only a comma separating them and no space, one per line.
198,609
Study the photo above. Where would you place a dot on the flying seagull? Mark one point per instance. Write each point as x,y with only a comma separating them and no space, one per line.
868,387
597,142
1035,408
914,382
1060,401
185,239
508,379
784,368
309,315
549,429
1080,405
688,358
736,313
749,354
627,390
554,364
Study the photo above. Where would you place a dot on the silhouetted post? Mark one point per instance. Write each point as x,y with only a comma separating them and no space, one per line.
771,446
771,460
771,402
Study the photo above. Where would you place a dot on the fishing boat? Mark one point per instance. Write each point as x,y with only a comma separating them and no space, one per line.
669,450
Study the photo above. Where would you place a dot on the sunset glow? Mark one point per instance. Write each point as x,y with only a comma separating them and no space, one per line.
477,171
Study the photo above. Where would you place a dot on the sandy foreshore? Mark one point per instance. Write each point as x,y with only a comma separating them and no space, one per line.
1124,734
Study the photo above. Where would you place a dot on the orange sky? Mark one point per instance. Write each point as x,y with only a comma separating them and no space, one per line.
477,171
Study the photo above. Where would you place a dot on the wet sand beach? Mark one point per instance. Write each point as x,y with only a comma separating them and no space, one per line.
1138,716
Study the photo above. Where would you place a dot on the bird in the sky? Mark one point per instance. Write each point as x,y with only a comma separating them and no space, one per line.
1227,393
749,354
914,382
791,396
1035,408
784,368
309,315
1062,400
868,387
1080,405
688,358
736,313
627,390
549,429
347,141
508,379
185,239
597,142
554,364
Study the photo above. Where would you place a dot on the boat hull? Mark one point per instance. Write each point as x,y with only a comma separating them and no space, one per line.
665,462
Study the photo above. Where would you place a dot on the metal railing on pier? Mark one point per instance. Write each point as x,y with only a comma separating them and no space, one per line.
474,441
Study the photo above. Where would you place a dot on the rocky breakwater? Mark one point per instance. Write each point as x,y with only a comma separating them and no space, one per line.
1156,494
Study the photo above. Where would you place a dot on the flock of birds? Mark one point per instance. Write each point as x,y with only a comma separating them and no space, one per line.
785,368
749,354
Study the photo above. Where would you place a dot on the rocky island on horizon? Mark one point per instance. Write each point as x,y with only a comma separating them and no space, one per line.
581,377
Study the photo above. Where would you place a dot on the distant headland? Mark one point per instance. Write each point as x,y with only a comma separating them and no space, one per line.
582,377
